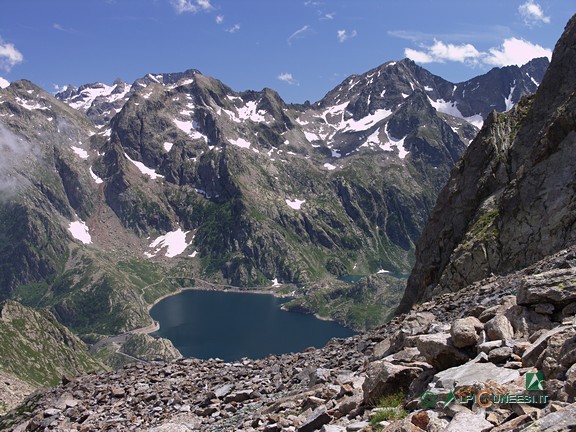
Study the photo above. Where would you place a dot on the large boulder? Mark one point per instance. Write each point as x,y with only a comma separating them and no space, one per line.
474,372
383,378
469,422
556,287
439,351
465,332
499,328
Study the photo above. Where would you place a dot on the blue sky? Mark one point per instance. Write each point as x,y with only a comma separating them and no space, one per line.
300,48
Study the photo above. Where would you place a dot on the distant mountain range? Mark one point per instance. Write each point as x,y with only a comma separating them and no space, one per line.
115,195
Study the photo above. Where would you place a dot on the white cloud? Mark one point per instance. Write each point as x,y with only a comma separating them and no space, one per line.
4,83
515,52
328,16
219,19
234,28
441,52
59,88
532,13
9,56
204,4
418,56
298,34
343,35
287,78
192,6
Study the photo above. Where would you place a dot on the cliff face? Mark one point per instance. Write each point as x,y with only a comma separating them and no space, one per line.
511,199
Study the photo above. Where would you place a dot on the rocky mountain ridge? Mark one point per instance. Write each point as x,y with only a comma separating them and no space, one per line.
507,203
189,180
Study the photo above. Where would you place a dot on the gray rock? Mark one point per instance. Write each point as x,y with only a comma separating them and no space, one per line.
500,355
499,328
383,377
316,420
439,351
544,308
333,428
525,321
357,426
465,332
469,422
474,372
555,286
559,421
224,390
486,347
532,354
570,385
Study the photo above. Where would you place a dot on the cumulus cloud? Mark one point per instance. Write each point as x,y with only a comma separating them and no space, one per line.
440,52
9,56
234,28
287,78
219,19
532,13
298,34
4,83
343,35
192,6
515,52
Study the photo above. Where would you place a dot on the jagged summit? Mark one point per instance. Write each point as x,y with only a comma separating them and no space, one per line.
101,101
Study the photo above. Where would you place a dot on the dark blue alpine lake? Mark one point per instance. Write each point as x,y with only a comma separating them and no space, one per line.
231,325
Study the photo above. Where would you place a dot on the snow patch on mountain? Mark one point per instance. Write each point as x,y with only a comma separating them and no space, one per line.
144,169
174,242
168,146
83,154
311,136
80,231
451,108
296,204
508,100
250,112
96,179
30,105
366,122
190,128
398,143
240,142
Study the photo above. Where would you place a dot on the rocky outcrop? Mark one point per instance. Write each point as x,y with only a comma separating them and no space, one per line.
510,200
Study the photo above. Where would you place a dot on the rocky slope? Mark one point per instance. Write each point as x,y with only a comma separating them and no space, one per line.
487,338
509,201
39,350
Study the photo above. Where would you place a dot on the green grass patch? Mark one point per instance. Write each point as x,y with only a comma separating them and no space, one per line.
389,408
